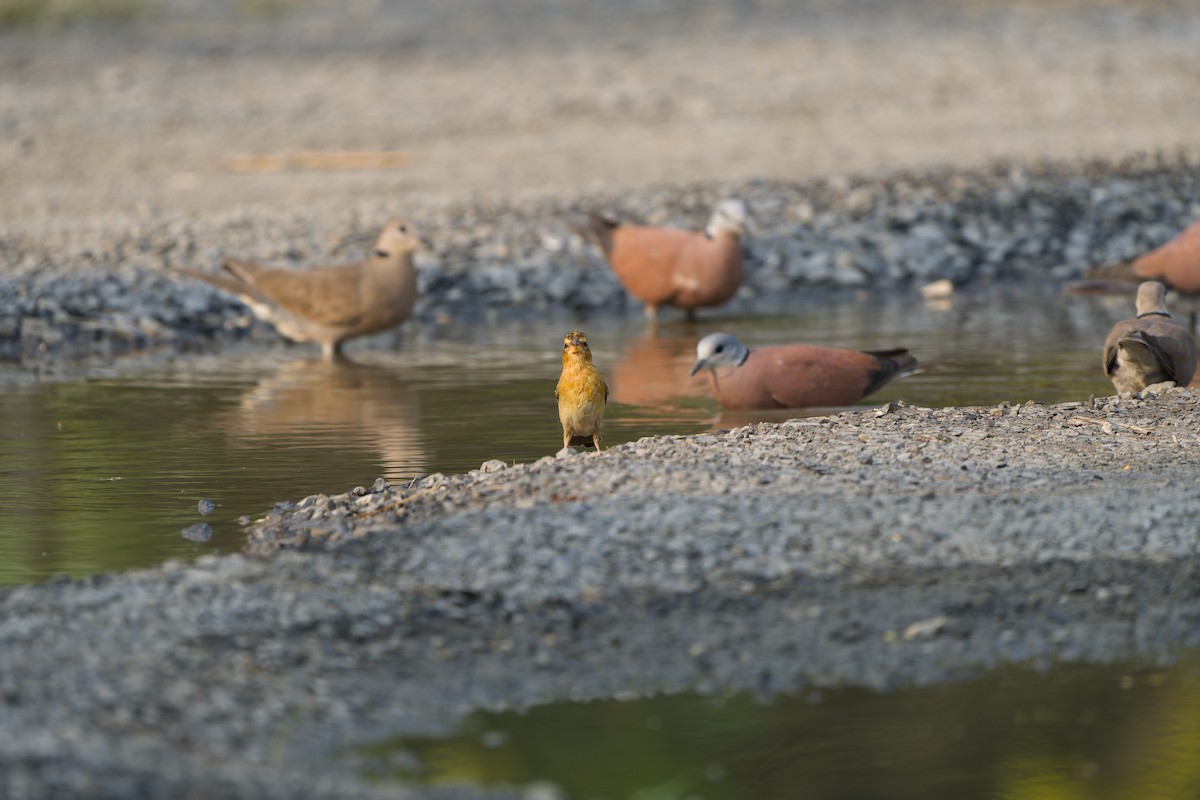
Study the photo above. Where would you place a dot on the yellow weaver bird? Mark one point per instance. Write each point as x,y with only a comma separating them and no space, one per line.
581,393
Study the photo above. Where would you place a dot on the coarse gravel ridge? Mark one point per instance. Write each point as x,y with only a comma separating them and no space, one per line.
959,482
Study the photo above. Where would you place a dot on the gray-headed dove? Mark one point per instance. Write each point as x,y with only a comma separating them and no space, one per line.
674,267
794,375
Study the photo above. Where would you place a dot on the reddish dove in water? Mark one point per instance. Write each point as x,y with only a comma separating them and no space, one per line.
794,375
329,305
1151,348
672,266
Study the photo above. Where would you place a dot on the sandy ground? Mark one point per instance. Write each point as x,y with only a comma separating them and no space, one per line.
194,110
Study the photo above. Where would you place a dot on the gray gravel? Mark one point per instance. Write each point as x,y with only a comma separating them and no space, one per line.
892,547
80,290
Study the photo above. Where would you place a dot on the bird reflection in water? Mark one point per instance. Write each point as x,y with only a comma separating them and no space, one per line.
336,403
652,370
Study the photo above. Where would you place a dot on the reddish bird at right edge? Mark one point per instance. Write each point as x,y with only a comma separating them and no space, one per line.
671,266
794,375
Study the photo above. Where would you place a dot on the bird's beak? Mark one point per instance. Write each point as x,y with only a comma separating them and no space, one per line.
699,365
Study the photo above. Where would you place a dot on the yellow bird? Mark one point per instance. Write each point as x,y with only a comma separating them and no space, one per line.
581,393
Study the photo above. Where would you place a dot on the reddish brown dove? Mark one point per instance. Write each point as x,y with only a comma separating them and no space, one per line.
672,266
1151,348
329,305
794,375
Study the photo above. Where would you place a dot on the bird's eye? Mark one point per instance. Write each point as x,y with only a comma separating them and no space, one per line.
720,347
404,229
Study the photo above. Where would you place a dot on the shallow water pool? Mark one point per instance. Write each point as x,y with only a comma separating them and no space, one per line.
104,470
1075,731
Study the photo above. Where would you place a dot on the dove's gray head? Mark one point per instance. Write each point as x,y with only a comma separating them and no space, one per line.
729,216
1152,298
719,350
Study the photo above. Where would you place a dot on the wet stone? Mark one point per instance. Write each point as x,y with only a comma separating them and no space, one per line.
200,532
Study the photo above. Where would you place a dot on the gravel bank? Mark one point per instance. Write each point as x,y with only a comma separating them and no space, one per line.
100,289
896,546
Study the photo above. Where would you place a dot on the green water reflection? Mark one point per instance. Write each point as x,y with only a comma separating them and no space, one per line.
103,471
1075,732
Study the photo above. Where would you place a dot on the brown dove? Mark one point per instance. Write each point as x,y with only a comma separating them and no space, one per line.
671,266
329,305
1151,348
794,375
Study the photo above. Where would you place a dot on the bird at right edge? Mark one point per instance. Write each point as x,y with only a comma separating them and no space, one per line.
1151,348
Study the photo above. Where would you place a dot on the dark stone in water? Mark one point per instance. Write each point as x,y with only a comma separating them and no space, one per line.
200,532
206,506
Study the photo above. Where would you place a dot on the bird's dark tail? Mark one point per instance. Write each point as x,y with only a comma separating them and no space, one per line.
892,364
